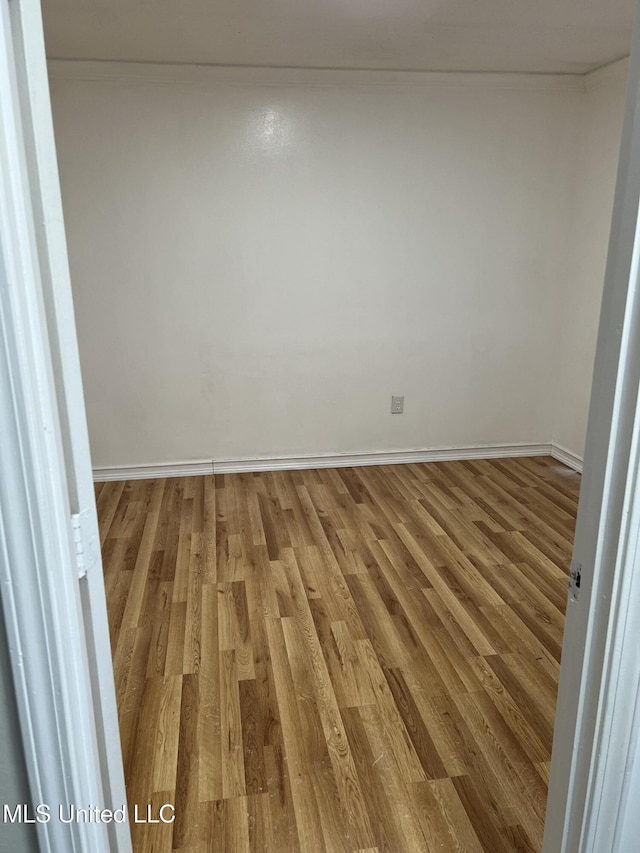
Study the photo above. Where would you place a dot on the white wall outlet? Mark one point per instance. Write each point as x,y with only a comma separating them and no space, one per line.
397,405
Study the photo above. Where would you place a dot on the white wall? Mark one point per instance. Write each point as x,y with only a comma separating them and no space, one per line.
260,259
597,150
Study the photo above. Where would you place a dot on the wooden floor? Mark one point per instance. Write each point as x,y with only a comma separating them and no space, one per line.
343,660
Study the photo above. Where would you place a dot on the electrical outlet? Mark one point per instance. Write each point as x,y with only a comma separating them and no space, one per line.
397,405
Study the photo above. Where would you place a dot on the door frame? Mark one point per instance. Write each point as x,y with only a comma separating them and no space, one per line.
52,589
42,166
596,725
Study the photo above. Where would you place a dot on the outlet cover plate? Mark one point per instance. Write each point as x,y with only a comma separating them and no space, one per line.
397,405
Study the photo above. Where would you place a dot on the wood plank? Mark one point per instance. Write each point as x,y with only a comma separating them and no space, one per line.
342,660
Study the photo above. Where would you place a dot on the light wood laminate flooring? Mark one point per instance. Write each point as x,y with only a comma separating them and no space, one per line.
359,659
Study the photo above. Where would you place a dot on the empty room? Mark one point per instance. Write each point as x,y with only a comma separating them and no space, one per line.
337,272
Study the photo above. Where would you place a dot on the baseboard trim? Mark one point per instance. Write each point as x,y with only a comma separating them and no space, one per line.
566,457
190,468
393,457
299,463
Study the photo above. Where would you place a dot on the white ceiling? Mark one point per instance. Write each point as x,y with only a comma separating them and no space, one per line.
563,36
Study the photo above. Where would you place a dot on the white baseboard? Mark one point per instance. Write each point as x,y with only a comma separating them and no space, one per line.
390,457
190,468
566,457
351,460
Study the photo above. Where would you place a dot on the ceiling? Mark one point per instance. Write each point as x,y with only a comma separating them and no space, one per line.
561,36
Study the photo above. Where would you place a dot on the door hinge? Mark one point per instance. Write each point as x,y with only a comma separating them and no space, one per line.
575,577
85,540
